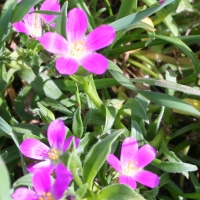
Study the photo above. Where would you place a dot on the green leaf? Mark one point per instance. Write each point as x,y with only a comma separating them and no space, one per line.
174,167
93,162
3,77
110,113
10,154
5,129
136,132
43,85
128,21
82,190
171,156
61,21
24,180
46,115
156,97
5,21
22,129
77,125
119,192
154,126
25,102
169,101
168,84
177,42
23,8
137,108
4,181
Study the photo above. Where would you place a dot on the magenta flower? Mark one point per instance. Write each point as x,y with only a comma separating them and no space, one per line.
32,23
131,163
43,188
77,49
35,149
161,1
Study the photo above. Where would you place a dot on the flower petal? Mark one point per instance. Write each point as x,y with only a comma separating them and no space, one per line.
114,162
47,166
21,27
127,180
100,37
50,5
68,142
66,65
128,150
56,134
54,43
24,194
76,25
41,181
147,178
63,179
33,148
144,156
29,19
95,63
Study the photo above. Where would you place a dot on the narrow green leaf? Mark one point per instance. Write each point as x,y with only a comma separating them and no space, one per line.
174,167
4,181
77,125
61,21
46,115
43,85
5,24
169,101
177,42
3,77
24,180
126,8
125,22
168,84
119,192
137,108
110,113
82,190
156,97
93,162
23,8
171,156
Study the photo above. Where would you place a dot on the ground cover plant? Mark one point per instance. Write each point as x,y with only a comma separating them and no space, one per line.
99,99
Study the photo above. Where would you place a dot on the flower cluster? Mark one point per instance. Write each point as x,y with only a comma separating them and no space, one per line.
35,149
74,54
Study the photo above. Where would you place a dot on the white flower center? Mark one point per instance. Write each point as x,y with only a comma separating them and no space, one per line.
36,28
130,168
46,196
77,50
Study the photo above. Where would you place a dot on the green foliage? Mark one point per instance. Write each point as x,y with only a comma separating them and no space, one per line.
153,68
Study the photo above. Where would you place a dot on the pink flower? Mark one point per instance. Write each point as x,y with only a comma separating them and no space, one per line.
35,149
131,163
43,188
77,49
161,1
32,23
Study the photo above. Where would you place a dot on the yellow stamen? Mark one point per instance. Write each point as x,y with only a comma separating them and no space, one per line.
46,196
78,49
130,168
53,154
